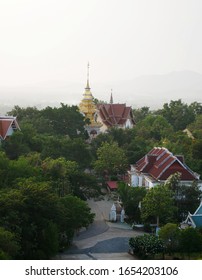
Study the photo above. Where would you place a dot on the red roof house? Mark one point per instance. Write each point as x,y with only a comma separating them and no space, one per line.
156,166
7,126
115,115
112,185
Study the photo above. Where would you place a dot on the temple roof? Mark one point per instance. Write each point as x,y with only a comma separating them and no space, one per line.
114,114
159,163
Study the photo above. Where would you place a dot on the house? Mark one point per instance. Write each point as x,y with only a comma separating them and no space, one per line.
156,167
194,220
114,115
8,125
112,185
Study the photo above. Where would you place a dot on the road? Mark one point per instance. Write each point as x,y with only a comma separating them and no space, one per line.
102,240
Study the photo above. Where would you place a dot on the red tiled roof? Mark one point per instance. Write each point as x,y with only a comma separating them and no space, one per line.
112,185
160,164
115,114
5,124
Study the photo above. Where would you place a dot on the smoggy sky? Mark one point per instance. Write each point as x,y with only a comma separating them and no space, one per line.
49,42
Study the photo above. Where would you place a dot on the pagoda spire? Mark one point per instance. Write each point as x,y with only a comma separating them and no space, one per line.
87,86
111,98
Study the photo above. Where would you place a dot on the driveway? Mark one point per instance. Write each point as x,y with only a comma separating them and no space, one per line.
102,240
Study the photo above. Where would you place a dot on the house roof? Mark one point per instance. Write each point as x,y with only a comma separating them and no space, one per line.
199,210
197,219
6,122
114,114
112,185
160,163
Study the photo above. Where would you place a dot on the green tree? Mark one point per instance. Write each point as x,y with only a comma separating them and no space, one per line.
65,120
196,127
190,241
131,198
186,198
170,235
9,246
111,159
140,113
158,203
76,214
178,114
4,167
16,146
26,211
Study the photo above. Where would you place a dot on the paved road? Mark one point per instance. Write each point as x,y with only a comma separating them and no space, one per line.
102,240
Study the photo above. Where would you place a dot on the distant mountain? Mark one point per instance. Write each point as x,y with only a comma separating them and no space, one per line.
155,90
152,91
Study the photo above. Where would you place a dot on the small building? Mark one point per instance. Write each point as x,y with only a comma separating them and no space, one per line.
156,167
115,115
112,185
194,220
8,125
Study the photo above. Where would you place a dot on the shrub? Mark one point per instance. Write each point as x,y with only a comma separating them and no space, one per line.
170,234
146,246
190,241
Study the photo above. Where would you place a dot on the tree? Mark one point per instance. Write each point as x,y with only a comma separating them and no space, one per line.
131,198
141,113
178,114
65,120
26,212
9,246
15,146
76,214
158,203
190,241
111,159
4,167
170,234
196,127
186,198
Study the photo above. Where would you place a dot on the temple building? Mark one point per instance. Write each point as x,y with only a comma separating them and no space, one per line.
115,115
156,167
104,116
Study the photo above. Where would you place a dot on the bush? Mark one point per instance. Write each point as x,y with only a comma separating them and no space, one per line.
8,244
170,234
190,241
146,246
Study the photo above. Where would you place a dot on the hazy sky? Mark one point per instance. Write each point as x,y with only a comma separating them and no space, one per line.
44,42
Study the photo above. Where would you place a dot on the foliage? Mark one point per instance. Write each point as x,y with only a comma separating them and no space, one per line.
131,198
186,198
38,218
146,246
140,113
190,241
111,159
44,163
9,246
179,114
158,203
170,235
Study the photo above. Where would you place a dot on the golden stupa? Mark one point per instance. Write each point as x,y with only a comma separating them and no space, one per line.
87,106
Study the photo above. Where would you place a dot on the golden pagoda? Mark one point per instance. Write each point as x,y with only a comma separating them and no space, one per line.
88,108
